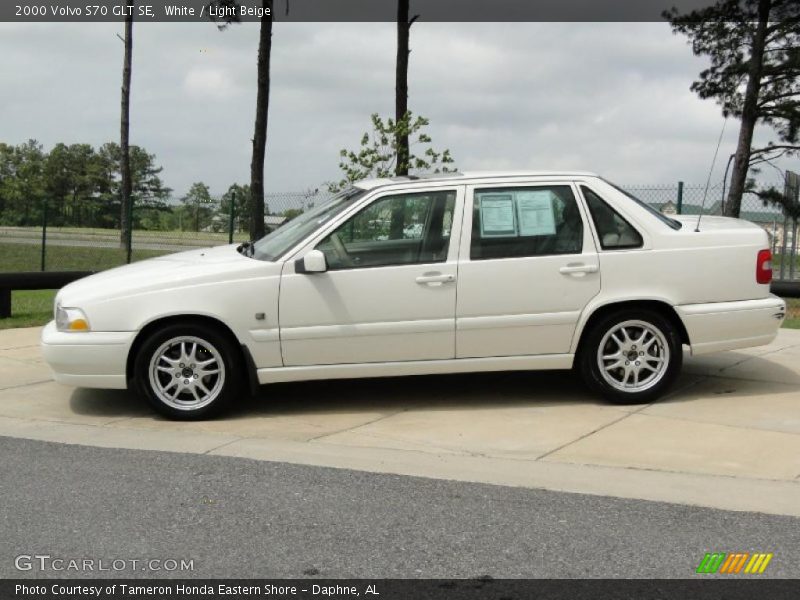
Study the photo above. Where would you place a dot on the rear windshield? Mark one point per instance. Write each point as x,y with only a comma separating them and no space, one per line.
668,221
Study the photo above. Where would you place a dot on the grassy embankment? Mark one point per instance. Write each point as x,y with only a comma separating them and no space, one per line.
35,307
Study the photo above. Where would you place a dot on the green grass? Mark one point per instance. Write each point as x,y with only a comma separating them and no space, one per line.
27,257
792,313
778,259
29,308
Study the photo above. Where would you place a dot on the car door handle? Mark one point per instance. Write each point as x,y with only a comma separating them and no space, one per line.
578,268
435,279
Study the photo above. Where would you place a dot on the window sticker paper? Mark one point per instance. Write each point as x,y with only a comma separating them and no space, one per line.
535,213
498,218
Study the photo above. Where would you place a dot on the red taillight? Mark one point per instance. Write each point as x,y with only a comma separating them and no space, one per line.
764,266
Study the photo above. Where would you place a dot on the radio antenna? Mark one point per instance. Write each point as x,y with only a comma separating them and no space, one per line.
708,181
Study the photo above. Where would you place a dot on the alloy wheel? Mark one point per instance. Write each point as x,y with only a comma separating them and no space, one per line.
633,356
186,373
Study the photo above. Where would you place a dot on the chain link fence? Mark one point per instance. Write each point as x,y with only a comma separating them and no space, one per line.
156,231
178,227
693,200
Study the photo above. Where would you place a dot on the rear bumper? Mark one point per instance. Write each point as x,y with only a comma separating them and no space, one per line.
718,326
94,359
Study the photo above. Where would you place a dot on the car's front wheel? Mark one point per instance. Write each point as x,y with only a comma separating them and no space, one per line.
188,371
631,357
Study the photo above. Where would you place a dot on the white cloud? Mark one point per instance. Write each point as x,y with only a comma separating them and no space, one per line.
204,82
607,97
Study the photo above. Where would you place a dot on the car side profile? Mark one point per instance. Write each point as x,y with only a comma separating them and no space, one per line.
459,273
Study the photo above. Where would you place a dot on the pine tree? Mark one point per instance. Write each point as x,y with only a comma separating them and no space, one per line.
754,47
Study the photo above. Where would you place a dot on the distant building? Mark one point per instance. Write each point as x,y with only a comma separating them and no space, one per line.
669,208
216,225
272,222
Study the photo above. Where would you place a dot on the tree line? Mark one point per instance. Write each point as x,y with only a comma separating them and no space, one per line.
80,186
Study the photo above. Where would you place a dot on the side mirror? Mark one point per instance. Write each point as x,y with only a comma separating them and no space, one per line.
313,262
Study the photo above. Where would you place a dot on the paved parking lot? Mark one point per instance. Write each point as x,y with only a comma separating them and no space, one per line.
727,437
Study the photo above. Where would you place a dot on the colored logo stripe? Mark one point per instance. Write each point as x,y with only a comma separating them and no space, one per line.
711,562
734,562
758,563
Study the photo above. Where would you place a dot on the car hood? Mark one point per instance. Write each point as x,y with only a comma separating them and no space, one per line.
208,265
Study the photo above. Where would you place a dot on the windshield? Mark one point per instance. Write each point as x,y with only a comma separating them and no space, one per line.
283,239
670,222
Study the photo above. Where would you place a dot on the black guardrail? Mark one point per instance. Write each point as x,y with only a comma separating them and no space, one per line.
34,280
786,289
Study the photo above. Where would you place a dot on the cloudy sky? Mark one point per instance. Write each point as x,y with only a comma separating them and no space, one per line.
607,97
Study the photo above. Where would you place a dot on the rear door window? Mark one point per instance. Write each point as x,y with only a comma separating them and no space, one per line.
525,221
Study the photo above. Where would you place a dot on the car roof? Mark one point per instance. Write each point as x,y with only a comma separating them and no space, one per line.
465,177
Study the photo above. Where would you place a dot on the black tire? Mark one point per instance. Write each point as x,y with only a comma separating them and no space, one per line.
609,385
214,349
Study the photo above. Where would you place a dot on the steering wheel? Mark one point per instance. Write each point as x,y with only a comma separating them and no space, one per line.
341,251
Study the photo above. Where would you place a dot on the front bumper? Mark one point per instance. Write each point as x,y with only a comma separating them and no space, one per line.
93,359
718,326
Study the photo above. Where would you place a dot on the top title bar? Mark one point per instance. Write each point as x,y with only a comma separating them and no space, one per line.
341,10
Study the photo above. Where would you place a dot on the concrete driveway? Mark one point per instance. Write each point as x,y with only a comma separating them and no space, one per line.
728,436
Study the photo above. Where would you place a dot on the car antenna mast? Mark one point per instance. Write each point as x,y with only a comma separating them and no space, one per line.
708,181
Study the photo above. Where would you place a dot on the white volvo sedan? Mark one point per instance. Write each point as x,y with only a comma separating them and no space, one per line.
468,272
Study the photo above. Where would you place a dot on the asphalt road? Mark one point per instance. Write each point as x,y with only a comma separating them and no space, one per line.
242,518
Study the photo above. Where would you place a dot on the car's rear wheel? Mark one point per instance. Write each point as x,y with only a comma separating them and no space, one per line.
188,371
631,357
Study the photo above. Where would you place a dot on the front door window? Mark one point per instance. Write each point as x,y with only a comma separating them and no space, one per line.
395,230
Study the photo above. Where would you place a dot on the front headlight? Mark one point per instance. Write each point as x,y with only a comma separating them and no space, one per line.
71,319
